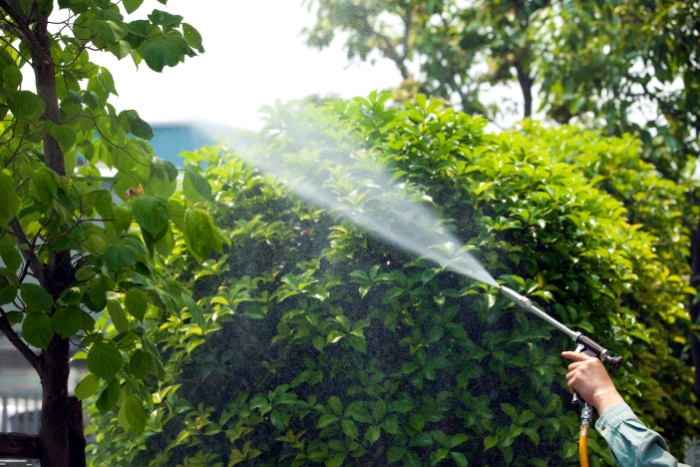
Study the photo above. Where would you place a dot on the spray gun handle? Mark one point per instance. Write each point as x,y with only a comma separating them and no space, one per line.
582,348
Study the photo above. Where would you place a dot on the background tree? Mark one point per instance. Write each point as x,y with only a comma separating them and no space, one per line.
617,67
338,348
459,50
67,247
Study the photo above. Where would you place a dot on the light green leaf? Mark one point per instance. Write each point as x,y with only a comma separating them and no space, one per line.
350,429
45,185
151,213
136,302
12,77
37,329
26,104
196,187
65,136
459,459
327,420
87,387
490,441
372,434
201,235
36,298
119,319
136,415
104,360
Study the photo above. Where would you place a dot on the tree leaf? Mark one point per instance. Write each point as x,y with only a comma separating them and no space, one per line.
45,184
201,235
109,397
131,5
162,53
151,213
140,363
138,127
36,298
10,256
104,360
87,386
118,257
136,415
26,104
459,459
136,302
37,329
395,453
67,321
163,18
12,77
195,310
119,319
196,187
490,441
193,38
10,201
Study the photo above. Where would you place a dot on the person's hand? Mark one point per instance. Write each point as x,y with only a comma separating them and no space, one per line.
588,377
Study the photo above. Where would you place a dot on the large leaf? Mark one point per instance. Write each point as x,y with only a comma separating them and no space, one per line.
131,5
37,329
10,256
36,298
136,302
162,53
109,397
201,235
104,360
118,257
136,415
67,321
87,386
140,363
196,187
26,104
139,127
119,319
151,213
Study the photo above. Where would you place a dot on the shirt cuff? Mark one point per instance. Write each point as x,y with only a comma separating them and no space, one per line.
614,416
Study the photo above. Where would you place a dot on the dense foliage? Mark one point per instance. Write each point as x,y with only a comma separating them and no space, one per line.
336,347
67,249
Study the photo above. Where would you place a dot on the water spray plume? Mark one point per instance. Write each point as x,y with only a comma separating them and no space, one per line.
354,184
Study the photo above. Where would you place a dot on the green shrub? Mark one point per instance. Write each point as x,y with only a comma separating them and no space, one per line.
334,346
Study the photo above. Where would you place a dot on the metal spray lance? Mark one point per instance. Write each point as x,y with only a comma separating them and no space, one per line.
583,344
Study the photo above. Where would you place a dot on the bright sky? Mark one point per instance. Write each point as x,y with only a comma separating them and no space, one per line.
254,55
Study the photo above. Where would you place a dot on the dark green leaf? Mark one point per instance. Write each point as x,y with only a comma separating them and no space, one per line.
109,397
10,256
67,321
37,329
140,363
136,414
10,201
163,18
193,38
104,360
131,5
138,127
395,453
118,257
162,53
36,298
201,235
195,310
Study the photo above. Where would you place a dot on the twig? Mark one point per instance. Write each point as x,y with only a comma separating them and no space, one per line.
19,344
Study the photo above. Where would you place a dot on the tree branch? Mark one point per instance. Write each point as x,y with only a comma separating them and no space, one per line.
19,344
28,254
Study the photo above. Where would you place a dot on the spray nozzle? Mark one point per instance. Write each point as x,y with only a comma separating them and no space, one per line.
586,344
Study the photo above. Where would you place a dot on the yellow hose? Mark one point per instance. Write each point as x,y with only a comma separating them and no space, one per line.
583,446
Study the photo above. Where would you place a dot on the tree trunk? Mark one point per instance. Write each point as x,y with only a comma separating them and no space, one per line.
695,308
55,411
526,83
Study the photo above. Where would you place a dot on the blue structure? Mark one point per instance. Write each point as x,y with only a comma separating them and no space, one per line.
173,138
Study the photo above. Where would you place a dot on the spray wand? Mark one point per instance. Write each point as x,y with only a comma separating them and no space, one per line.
583,344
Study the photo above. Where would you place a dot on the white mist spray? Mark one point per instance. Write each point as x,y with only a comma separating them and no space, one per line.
354,184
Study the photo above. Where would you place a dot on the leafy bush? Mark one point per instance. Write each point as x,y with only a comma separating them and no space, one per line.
336,347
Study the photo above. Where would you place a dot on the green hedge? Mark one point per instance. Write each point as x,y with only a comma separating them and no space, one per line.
325,344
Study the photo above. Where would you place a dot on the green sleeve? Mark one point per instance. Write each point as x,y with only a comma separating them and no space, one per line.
631,443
